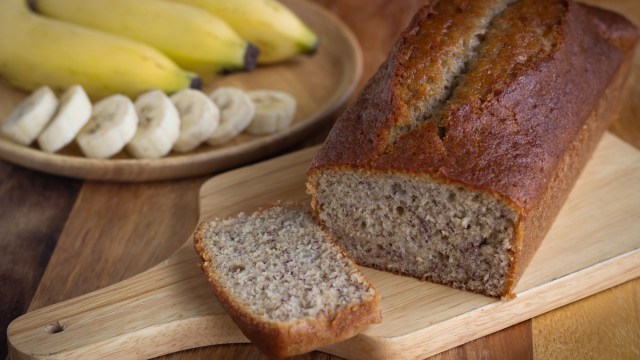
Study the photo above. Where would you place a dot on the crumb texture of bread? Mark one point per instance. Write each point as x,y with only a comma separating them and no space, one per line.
287,285
466,235
459,152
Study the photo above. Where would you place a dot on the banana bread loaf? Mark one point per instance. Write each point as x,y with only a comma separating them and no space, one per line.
456,157
286,284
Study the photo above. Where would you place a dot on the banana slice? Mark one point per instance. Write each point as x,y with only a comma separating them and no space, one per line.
158,126
274,111
199,118
112,125
73,113
29,118
236,112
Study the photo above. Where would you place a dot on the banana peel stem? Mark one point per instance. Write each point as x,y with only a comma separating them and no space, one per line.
196,82
33,5
250,61
309,50
251,57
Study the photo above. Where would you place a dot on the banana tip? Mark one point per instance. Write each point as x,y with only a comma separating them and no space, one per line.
33,5
196,83
311,50
251,57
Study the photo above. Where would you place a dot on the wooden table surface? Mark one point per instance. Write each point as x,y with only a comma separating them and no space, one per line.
61,238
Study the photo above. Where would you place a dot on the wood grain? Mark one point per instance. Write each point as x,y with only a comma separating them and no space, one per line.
513,342
321,84
608,324
170,308
33,211
114,232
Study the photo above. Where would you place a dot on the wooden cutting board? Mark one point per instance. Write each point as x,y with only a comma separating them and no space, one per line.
593,245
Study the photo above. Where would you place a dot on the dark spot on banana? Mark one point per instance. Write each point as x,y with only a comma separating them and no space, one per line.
22,109
97,120
33,5
196,83
93,129
146,116
186,109
251,57
309,50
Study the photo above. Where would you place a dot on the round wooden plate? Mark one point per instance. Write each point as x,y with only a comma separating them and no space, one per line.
321,83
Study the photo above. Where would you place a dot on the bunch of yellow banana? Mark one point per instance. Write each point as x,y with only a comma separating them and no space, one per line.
272,27
193,38
131,46
37,51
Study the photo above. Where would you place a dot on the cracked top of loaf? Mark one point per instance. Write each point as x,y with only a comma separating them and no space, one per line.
486,94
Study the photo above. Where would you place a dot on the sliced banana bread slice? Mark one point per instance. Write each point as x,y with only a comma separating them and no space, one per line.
285,283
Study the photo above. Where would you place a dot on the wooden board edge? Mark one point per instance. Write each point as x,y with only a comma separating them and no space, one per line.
500,314
430,340
216,183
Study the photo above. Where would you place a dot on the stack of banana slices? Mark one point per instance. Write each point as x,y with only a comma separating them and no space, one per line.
150,127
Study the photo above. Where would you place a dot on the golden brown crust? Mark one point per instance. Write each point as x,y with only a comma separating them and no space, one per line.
499,118
521,123
539,219
279,340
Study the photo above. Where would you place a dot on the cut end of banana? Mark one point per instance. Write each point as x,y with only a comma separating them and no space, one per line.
275,111
309,49
112,125
29,118
196,82
199,119
251,57
236,112
158,126
33,5
73,113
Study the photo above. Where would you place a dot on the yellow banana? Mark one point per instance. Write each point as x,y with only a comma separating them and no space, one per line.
36,51
272,27
195,39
